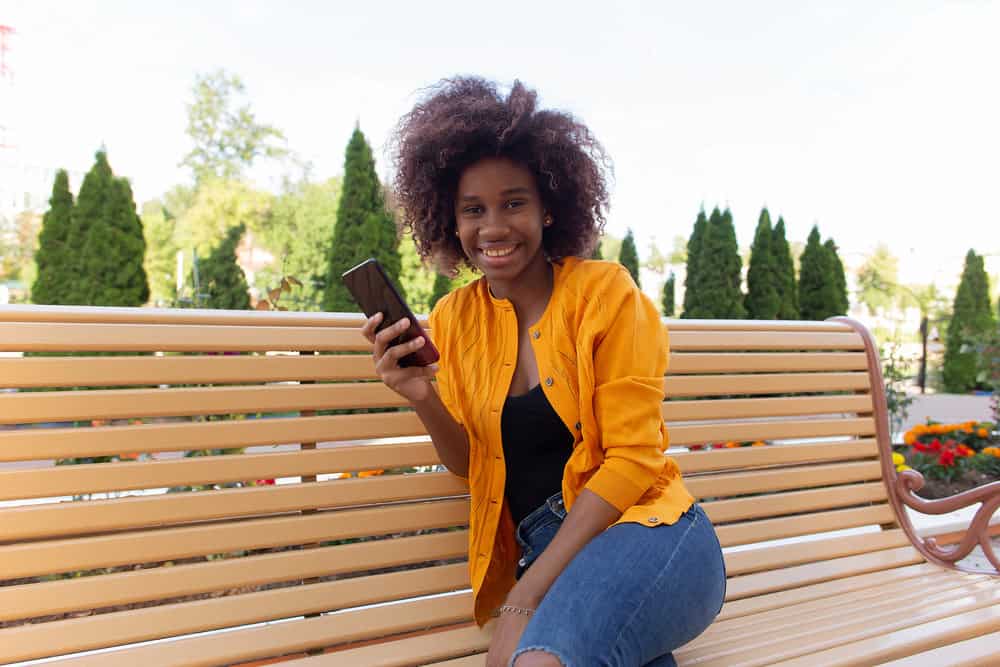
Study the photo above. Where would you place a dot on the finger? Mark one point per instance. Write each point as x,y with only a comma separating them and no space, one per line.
397,352
368,330
386,336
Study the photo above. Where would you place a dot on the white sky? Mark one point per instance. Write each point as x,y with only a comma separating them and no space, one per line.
878,120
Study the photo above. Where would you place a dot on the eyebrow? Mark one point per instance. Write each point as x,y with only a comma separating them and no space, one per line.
519,190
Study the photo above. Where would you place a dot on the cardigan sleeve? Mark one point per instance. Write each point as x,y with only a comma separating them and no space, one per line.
445,377
630,359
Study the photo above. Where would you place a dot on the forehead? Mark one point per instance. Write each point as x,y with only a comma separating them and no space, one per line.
492,176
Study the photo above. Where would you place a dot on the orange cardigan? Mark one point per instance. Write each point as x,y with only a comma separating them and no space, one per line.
601,351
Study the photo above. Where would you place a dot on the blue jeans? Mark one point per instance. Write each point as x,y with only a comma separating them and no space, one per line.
631,596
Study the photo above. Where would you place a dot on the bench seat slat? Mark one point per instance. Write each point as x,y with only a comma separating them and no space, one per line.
807,524
57,443
700,462
29,559
770,430
781,479
189,401
432,646
685,341
786,555
57,597
687,386
794,502
61,519
281,638
979,651
735,408
683,363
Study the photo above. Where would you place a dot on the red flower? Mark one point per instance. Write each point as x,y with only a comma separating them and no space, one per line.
964,450
947,458
695,448
265,482
921,447
935,445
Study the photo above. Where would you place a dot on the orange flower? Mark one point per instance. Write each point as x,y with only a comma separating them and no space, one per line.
370,473
128,457
982,433
965,451
909,438
992,451
758,443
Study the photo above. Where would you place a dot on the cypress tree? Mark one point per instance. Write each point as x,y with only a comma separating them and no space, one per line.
107,233
668,296
597,254
53,256
763,300
784,268
817,284
718,282
842,303
971,320
222,278
364,228
628,257
692,266
442,285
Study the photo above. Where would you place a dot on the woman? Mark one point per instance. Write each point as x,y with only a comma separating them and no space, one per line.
584,542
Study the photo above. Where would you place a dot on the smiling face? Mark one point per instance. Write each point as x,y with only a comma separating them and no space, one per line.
500,218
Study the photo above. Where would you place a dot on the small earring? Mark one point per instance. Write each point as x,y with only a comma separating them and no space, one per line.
548,221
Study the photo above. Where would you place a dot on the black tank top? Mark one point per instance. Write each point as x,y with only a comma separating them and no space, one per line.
536,446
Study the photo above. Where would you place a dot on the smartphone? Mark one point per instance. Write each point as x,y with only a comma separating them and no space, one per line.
374,292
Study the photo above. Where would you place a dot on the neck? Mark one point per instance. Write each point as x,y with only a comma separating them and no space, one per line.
530,293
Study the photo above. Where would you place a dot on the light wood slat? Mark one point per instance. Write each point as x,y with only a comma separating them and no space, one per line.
753,325
809,524
130,475
112,629
57,597
175,316
770,430
869,640
403,652
683,386
795,502
685,341
31,559
120,403
56,443
188,369
806,590
787,555
58,337
981,651
682,363
840,594
749,457
735,408
781,479
797,629
283,638
789,577
468,661
62,519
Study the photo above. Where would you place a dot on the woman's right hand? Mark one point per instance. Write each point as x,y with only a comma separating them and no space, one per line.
412,382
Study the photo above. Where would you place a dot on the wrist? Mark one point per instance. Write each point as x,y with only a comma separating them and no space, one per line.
524,597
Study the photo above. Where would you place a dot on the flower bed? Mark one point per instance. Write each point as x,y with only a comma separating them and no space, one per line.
951,457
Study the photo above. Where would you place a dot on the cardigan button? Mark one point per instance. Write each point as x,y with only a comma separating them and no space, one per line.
548,382
536,334
654,519
579,426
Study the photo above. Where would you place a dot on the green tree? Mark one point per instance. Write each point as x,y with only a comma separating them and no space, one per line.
161,253
597,254
364,227
53,258
221,278
971,322
842,303
227,139
415,277
442,285
817,283
668,296
719,271
763,300
784,268
878,285
107,235
692,272
629,257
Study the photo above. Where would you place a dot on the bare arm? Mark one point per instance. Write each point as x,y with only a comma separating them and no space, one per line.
449,437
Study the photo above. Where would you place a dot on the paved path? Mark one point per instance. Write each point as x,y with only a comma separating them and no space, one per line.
948,408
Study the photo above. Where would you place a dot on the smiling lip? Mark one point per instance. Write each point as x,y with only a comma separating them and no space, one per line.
498,252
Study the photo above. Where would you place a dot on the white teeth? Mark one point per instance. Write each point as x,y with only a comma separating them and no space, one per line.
497,252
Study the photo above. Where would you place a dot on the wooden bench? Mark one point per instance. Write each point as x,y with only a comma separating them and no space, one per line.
321,569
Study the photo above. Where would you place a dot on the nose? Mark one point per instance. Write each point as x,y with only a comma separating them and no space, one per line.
493,228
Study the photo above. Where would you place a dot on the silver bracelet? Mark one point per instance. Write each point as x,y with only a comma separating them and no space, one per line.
511,609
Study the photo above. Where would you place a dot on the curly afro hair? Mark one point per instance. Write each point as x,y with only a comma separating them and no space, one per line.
463,120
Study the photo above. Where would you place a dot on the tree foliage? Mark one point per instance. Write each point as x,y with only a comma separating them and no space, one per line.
669,288
784,268
629,257
842,303
221,278
817,283
763,301
364,227
693,256
719,271
878,280
227,138
971,322
54,255
161,253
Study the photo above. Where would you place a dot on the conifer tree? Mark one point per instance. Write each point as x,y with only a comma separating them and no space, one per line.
971,320
692,267
221,278
90,206
842,302
364,228
817,284
763,301
442,285
784,267
597,254
629,257
668,296
53,256
719,273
